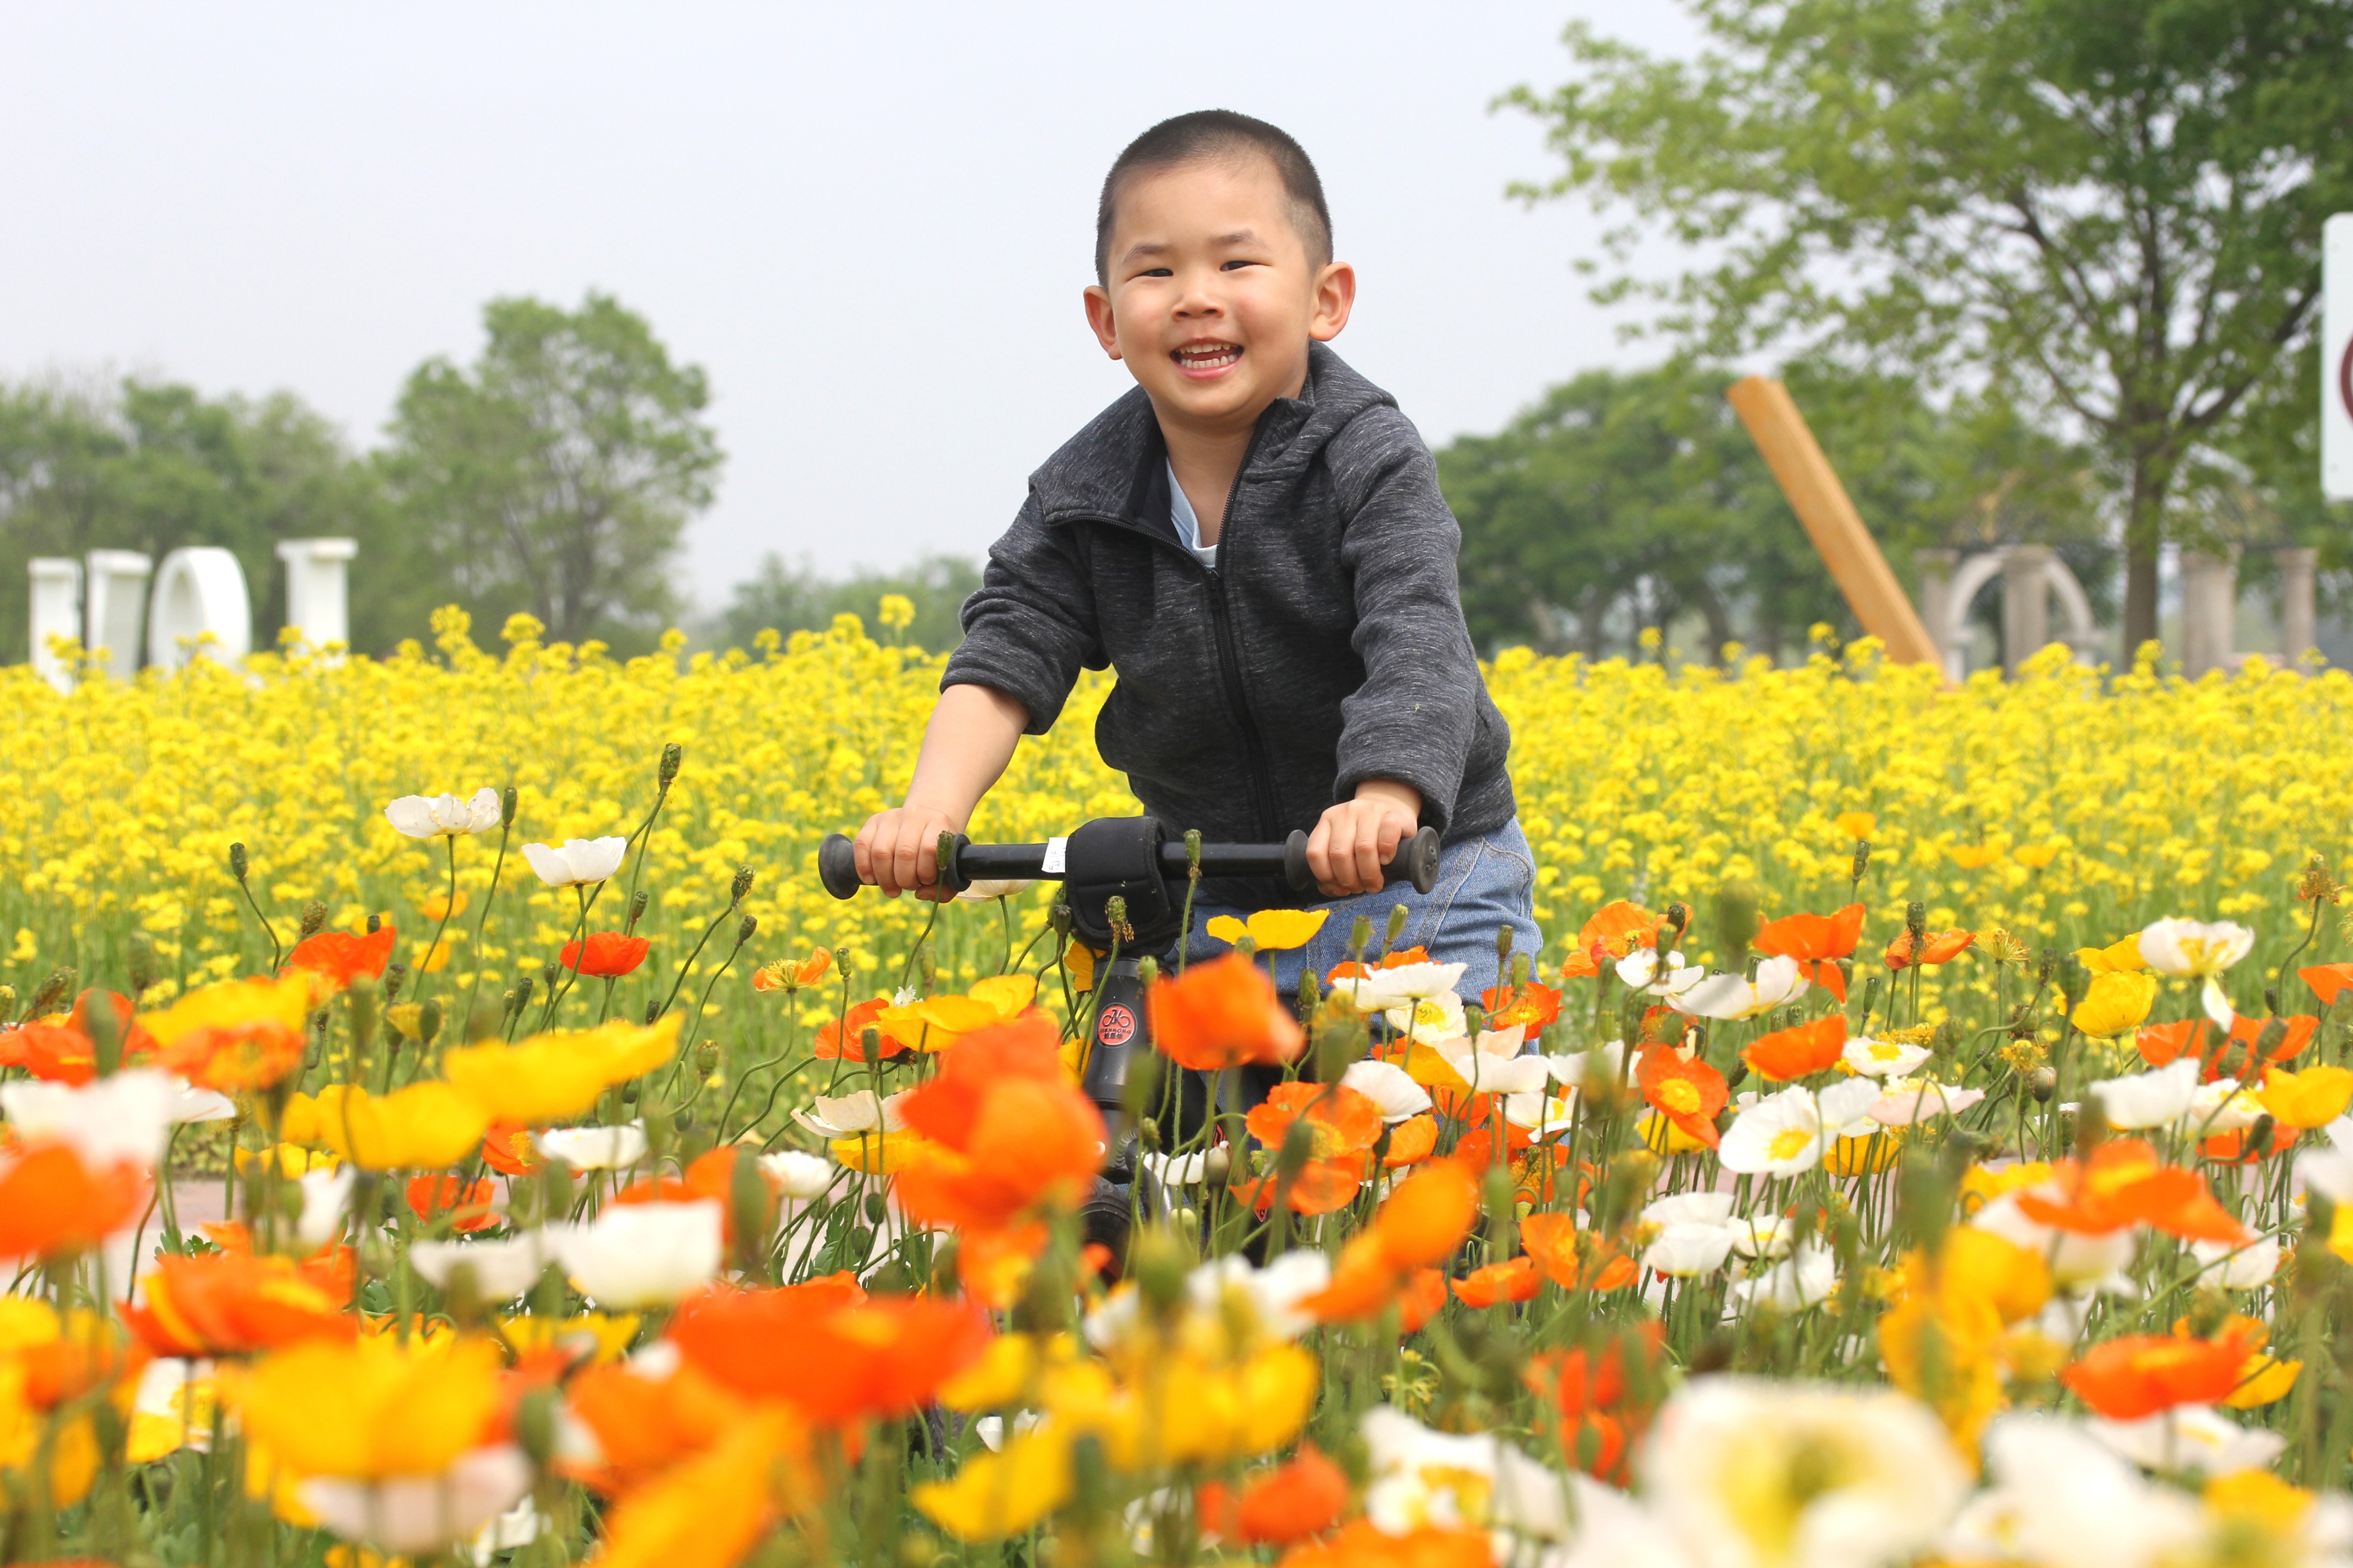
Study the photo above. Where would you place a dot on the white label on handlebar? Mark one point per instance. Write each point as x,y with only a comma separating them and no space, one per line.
1052,867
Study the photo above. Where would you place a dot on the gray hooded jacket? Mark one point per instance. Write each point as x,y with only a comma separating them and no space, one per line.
1326,647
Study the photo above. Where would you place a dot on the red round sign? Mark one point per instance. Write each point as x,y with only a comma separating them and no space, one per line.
1116,1027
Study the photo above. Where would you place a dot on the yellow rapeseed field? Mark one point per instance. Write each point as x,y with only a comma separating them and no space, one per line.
2065,806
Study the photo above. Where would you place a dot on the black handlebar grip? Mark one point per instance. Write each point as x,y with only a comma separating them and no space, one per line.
1415,861
837,865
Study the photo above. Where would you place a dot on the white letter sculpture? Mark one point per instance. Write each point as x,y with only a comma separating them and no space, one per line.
56,613
199,591
118,594
317,593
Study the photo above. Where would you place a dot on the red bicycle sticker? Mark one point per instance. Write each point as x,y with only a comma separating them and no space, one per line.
1116,1027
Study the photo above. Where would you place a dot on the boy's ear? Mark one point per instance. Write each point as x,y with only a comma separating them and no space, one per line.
1099,317
1336,296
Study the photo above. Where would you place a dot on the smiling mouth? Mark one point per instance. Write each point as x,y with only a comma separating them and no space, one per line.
1203,359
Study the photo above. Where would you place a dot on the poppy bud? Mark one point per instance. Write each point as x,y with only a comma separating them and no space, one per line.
547,973
359,1003
1147,1129
2044,968
706,1057
741,886
1115,916
744,930
509,799
314,916
507,1010
672,754
375,924
1218,1166
637,902
1397,924
428,1021
871,1039
1193,851
1147,970
59,982
653,1011
661,1127
1298,1145
628,1094
535,1425
237,863
2043,1083
1915,923
1739,1072
143,962
1862,860
1474,1018
1737,917
1309,992
1058,918
753,1211
1519,970
2258,1136
7,1001
1360,935
522,993
1159,1262
2270,999
1502,944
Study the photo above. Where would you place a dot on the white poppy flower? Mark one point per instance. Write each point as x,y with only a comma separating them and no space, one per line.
124,1117
2077,1257
1591,1071
1385,988
1773,1473
2222,1106
1806,1278
1178,1170
1689,1250
595,1148
634,1256
1763,1234
1781,1135
1387,1086
2193,1438
2329,1172
1641,970
519,1526
1493,1063
1428,1019
2059,1497
1884,1059
1728,996
326,1201
1271,1295
1532,1110
502,1270
443,815
577,860
1424,1477
2144,1099
1903,1101
2226,1266
848,1115
798,1176
190,1104
1689,1208
423,1513
1001,887
2194,947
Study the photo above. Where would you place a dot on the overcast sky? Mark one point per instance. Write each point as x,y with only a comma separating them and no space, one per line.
869,223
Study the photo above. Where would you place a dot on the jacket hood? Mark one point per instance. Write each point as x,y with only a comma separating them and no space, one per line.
1114,467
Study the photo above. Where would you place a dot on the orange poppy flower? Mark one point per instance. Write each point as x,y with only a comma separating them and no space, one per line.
1528,1008
2135,1375
65,1053
1349,969
469,1206
1419,1300
1935,947
793,974
2162,1044
1816,942
1006,1132
851,1028
2124,1184
604,955
1611,932
1421,1224
339,958
511,1151
1786,1054
1362,1544
2326,980
643,1424
1685,1090
1411,1142
1514,1280
1588,1389
1291,1502
827,1349
231,1303
2240,1148
1477,1147
1222,1013
52,1205
1551,1239
1342,1121
1321,1187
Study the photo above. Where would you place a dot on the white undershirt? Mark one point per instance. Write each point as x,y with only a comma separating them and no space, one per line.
1189,526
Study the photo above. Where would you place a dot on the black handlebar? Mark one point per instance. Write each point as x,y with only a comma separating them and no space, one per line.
1415,861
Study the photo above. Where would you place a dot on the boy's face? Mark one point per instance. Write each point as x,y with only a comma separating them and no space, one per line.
1211,298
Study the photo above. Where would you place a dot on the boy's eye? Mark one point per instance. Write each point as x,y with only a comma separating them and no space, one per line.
1156,272
1229,266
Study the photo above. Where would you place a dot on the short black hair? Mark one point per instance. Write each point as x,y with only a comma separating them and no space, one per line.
1219,135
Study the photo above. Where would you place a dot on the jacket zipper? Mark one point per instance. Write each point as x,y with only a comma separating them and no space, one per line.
1229,663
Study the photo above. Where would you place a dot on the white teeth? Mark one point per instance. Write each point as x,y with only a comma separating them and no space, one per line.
1210,356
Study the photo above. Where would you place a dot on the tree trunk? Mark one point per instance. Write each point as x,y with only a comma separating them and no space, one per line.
1710,603
2144,535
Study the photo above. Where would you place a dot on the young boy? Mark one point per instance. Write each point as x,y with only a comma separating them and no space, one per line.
1254,540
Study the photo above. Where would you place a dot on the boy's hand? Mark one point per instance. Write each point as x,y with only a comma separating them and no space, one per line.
898,851
1353,841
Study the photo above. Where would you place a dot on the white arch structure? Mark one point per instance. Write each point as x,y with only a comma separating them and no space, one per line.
199,595
2033,575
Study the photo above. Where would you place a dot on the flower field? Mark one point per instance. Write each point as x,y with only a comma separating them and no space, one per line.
447,1121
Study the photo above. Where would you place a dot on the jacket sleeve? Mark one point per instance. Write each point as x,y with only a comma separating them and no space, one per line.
1031,628
1416,715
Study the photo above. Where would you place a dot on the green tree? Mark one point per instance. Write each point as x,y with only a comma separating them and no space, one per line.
557,473
787,599
154,466
1628,500
2108,209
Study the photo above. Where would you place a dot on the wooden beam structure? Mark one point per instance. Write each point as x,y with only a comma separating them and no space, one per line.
1821,503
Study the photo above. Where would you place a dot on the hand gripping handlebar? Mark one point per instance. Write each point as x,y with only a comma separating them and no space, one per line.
1415,862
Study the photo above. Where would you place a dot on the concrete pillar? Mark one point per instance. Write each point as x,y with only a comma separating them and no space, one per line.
199,595
318,592
2209,599
2297,569
117,605
56,613
1934,568
2025,604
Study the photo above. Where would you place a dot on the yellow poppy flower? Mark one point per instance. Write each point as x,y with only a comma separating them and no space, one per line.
1271,930
370,1407
1856,823
2118,958
939,1022
2312,1098
1001,1494
1972,856
425,1126
287,1001
2115,1003
2035,856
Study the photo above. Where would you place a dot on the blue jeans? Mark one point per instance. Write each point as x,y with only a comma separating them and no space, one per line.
1483,883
